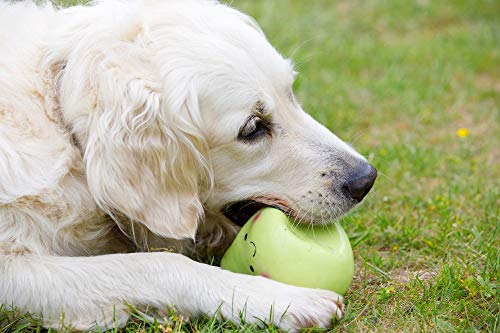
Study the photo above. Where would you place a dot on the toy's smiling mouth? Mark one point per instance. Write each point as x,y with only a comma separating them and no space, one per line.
254,249
241,211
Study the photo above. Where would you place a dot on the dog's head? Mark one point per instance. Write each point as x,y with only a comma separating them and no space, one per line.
183,106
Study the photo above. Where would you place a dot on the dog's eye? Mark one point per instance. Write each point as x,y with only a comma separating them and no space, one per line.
253,129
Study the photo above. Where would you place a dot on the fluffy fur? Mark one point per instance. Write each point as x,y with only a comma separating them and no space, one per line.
119,131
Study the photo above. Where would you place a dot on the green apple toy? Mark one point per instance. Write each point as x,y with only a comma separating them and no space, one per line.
270,245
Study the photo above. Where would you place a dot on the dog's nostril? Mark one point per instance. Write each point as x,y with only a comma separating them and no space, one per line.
360,182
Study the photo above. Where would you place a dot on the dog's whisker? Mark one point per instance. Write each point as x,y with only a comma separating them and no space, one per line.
312,225
295,225
386,176
309,225
301,45
304,216
356,135
375,157
322,219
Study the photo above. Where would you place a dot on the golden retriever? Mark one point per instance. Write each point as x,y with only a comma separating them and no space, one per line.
132,125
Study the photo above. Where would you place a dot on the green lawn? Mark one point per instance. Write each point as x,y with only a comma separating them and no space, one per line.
415,87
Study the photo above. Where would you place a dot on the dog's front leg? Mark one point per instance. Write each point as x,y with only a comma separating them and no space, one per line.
85,292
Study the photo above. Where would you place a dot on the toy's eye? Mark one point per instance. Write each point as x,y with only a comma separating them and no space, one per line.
251,268
246,235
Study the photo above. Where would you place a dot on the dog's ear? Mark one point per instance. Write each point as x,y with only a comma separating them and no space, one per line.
143,149
143,159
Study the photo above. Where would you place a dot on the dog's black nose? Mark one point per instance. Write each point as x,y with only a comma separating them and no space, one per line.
360,181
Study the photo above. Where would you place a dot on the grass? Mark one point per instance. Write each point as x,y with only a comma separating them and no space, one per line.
415,87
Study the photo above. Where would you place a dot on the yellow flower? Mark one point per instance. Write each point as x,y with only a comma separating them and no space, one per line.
463,132
390,290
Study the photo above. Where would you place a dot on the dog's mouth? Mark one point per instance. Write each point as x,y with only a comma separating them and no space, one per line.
240,212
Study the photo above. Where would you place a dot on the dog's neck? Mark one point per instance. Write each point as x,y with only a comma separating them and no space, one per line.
52,107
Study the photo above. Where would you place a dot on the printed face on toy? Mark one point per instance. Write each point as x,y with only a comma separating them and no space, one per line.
251,244
252,250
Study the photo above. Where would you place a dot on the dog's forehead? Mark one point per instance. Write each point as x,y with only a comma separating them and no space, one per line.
224,55
220,43
252,61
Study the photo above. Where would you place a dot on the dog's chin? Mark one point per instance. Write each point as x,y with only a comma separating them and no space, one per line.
240,212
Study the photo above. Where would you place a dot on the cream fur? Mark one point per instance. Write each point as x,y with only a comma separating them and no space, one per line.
118,126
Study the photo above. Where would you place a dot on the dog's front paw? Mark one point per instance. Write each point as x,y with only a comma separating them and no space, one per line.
312,308
288,307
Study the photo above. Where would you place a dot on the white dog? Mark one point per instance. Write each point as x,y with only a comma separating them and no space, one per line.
131,125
